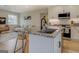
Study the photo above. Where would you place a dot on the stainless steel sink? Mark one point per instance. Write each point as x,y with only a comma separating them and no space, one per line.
48,31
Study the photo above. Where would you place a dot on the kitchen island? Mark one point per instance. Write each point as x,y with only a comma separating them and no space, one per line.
43,42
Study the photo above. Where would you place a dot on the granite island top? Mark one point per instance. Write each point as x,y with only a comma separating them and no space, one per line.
53,35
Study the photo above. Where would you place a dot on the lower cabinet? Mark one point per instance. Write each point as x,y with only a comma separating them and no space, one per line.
75,33
42,44
57,44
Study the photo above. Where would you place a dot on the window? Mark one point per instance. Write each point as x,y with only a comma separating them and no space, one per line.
12,19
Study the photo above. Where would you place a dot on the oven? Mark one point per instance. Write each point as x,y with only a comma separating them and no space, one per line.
66,31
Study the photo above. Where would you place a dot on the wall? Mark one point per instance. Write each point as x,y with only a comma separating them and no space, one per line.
53,12
4,13
35,18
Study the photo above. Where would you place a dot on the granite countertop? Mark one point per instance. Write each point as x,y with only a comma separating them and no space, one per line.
75,24
8,36
46,34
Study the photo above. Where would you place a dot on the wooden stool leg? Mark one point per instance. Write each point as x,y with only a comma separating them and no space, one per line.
26,50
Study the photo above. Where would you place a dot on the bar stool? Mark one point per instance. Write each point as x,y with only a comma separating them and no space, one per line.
23,41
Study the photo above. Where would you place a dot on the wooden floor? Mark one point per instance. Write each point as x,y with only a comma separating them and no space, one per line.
70,46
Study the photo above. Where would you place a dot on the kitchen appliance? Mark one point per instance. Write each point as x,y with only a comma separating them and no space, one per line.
48,31
66,31
64,15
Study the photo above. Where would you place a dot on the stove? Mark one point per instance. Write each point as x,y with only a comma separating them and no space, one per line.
66,31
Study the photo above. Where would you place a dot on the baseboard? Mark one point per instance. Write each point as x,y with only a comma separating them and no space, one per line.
65,38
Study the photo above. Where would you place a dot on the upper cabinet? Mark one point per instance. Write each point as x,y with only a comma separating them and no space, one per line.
55,10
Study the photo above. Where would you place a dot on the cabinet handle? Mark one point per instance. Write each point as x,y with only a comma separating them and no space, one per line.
59,44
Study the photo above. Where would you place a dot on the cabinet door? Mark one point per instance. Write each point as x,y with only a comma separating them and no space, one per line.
40,44
75,33
57,43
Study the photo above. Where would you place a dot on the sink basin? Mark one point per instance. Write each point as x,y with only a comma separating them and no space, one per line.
48,31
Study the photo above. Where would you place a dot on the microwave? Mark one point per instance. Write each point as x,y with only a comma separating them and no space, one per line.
64,16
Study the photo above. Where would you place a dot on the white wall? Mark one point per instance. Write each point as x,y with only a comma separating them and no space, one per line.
35,18
53,12
4,13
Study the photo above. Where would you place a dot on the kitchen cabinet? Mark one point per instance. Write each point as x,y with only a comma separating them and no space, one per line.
54,11
57,43
75,33
42,44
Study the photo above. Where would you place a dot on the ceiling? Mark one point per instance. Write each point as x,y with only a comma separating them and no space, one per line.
22,8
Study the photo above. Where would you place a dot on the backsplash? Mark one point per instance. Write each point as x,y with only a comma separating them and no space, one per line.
53,21
63,21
